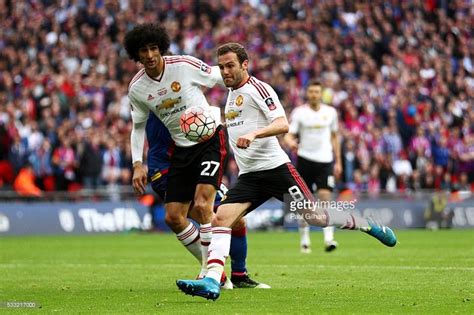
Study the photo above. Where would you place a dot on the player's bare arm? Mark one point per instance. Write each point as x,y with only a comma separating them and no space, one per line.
291,141
139,179
337,154
277,127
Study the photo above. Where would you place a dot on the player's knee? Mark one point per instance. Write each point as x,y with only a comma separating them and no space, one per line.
202,209
174,220
316,219
219,220
216,221
319,221
239,225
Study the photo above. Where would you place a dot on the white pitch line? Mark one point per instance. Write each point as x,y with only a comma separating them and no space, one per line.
69,265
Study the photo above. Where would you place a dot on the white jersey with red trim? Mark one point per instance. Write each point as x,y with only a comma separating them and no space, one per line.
178,87
314,130
250,107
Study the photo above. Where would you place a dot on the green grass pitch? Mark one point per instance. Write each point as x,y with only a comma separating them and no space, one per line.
427,272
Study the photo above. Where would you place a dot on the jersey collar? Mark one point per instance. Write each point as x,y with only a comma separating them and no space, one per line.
158,79
241,85
313,109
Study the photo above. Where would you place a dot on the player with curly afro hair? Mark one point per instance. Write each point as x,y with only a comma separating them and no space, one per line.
143,35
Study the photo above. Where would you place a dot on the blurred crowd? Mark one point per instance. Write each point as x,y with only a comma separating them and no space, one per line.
399,73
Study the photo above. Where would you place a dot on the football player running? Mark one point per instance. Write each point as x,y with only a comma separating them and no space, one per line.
319,154
167,86
265,169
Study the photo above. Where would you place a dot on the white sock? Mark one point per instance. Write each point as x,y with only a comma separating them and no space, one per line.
304,233
205,233
328,232
345,220
189,237
218,252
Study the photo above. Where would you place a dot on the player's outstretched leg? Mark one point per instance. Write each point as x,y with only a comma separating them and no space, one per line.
345,220
207,288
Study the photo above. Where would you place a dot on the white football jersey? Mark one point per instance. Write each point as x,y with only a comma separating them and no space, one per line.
178,87
253,106
314,129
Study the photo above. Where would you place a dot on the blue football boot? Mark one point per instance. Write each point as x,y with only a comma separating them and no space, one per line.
383,233
207,288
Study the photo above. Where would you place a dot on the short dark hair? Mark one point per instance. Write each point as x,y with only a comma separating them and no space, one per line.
143,35
315,82
236,48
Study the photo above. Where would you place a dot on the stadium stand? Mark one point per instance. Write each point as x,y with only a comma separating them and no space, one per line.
400,74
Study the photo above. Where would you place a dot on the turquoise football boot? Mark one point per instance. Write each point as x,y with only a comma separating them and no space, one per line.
383,233
207,288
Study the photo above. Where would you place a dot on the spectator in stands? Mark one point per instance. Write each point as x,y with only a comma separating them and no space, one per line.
441,152
41,161
464,182
64,163
419,160
111,162
392,140
24,183
415,181
466,157
126,164
6,169
420,142
18,155
387,175
349,161
90,161
359,182
446,183
373,183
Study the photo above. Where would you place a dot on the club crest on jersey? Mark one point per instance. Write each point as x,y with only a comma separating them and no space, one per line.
232,114
205,68
176,86
150,97
169,103
239,100
270,103
162,91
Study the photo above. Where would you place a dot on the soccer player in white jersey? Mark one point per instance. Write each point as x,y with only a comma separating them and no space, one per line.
254,116
166,86
315,125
